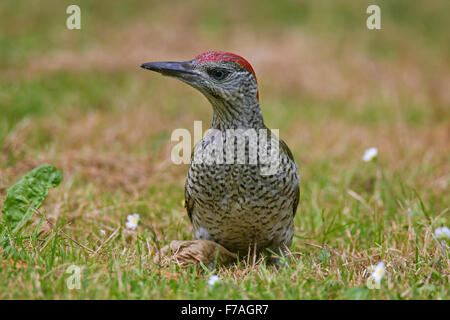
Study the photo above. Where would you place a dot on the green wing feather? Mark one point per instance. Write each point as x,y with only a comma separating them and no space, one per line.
188,202
287,151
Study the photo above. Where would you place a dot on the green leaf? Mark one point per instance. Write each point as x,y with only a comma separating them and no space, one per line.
28,193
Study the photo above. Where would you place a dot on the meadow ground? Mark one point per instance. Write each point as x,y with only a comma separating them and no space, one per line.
78,100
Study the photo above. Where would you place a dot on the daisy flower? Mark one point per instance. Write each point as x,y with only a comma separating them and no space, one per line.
442,233
378,272
370,154
132,221
212,280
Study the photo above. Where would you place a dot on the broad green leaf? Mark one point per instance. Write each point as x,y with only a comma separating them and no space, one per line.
28,193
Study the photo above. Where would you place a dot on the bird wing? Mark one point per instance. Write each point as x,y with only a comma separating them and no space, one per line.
288,152
296,200
188,201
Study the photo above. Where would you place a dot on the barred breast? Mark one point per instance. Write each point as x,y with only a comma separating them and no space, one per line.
238,205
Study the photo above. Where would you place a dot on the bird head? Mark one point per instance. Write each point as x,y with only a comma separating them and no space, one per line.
227,80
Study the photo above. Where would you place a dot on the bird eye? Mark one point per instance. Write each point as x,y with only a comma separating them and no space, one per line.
218,74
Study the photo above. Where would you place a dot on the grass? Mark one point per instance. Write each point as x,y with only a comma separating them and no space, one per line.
77,100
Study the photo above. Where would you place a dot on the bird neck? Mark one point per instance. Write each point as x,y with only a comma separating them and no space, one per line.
235,114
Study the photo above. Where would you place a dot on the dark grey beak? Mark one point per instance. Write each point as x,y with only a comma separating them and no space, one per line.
169,68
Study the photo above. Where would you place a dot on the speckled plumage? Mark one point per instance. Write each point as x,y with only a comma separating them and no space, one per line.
234,204
238,207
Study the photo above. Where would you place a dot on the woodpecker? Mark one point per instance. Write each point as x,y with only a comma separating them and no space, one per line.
236,203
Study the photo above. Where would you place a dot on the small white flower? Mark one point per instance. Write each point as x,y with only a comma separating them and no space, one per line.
378,272
212,280
442,233
132,221
370,154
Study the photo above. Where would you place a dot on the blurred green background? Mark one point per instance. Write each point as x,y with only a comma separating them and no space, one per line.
48,69
79,100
